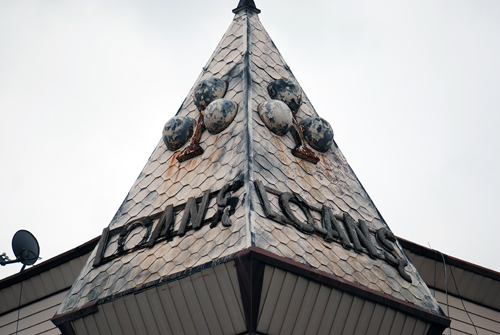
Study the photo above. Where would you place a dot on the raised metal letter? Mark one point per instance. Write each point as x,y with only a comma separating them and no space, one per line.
285,207
333,227
196,215
165,225
360,235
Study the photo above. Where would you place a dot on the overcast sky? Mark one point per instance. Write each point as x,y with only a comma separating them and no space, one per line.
411,89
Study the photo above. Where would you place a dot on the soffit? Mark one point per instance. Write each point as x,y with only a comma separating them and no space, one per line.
207,302
291,304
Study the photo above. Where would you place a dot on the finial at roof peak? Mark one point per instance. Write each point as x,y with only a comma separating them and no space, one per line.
250,4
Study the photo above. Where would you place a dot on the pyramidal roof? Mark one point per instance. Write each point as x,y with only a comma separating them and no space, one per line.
248,188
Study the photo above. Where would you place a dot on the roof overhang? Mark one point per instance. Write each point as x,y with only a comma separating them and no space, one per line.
45,279
462,279
252,291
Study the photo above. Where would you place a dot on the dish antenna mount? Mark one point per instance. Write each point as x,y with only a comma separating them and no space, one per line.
25,247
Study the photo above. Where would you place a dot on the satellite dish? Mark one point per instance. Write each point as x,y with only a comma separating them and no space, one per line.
25,247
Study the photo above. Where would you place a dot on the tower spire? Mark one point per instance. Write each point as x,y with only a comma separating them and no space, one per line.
250,4
210,231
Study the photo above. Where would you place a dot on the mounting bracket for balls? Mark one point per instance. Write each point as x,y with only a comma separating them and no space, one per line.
205,92
194,149
290,93
301,150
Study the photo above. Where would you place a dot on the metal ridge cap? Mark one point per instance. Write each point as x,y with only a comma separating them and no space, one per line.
246,4
249,129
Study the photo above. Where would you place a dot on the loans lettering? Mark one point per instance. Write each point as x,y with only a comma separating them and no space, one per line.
351,235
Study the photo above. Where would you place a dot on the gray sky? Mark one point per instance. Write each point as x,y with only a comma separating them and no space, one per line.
411,89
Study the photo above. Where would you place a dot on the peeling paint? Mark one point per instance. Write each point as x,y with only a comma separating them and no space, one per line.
276,115
318,133
207,91
287,91
219,115
177,131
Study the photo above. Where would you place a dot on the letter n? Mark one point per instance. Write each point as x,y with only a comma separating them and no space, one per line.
333,228
193,213
360,235
164,226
